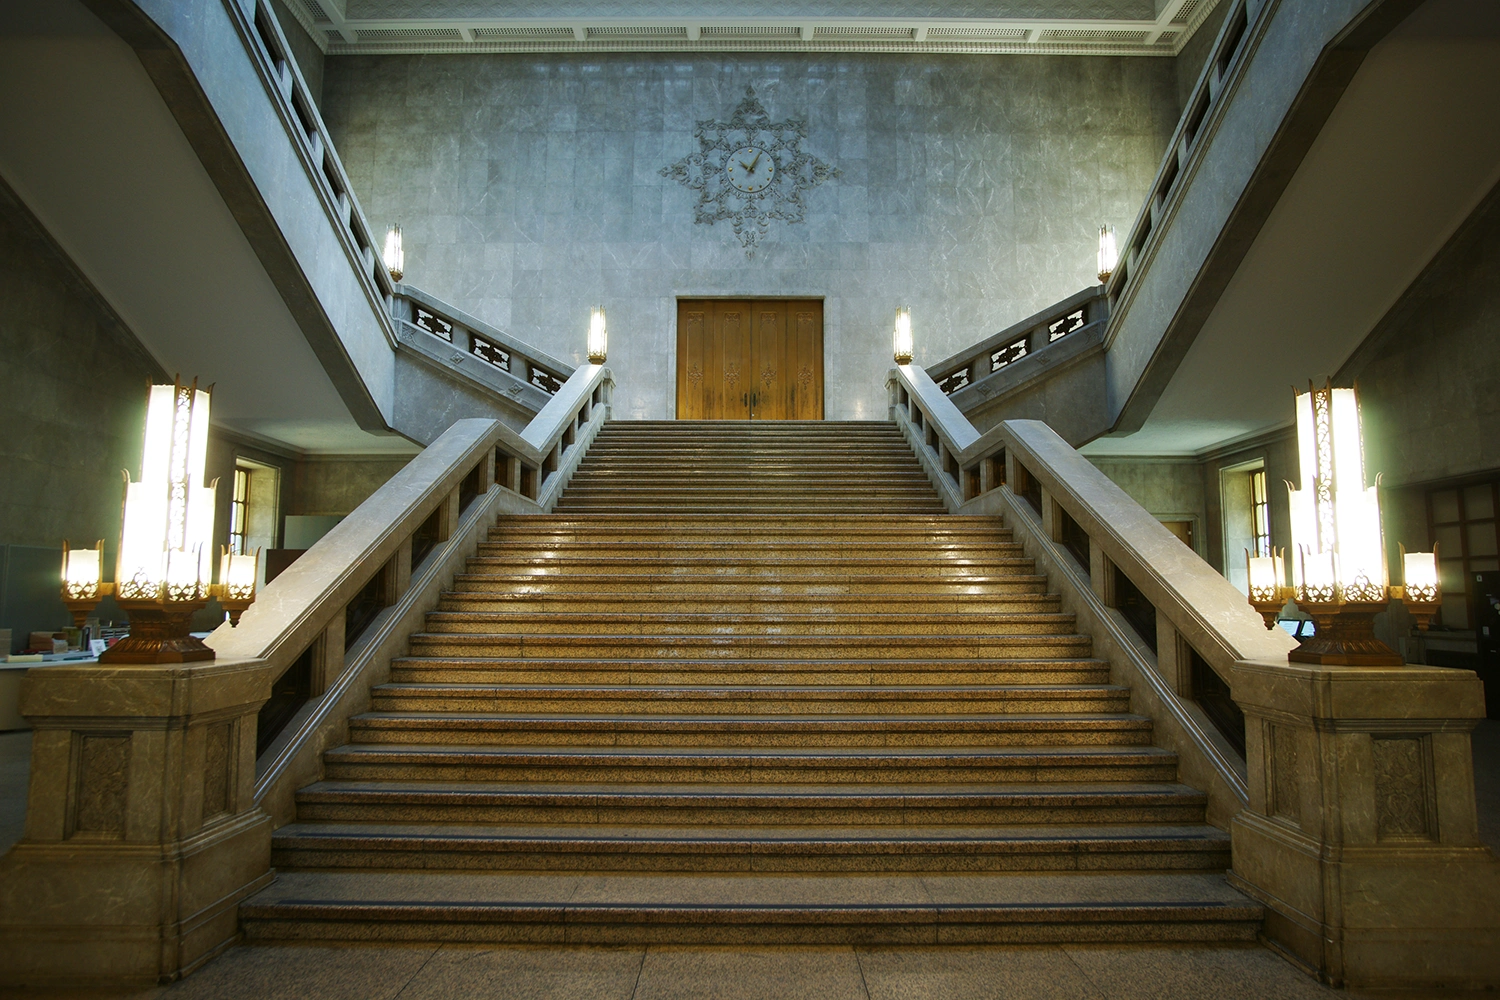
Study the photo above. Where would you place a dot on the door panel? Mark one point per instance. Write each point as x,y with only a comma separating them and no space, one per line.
759,359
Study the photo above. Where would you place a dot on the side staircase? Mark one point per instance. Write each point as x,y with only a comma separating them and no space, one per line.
750,684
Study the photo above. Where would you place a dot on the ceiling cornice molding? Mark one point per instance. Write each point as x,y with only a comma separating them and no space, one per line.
1165,35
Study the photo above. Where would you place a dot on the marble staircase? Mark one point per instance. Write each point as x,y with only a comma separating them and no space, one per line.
748,683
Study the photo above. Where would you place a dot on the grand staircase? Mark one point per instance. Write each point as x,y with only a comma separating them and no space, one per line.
748,683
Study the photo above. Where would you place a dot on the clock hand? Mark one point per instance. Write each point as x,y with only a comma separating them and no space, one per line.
753,162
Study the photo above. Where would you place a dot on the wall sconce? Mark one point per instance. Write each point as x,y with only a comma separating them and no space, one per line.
901,336
166,561
598,336
236,587
1109,254
83,585
1339,570
394,256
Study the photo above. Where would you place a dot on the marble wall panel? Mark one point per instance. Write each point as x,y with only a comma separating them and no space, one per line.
529,188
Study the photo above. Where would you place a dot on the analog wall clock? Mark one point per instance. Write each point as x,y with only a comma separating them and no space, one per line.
750,171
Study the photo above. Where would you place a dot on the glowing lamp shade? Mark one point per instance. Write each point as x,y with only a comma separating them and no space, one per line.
1109,254
394,256
901,337
1419,576
598,336
1340,554
1267,578
83,571
237,574
166,542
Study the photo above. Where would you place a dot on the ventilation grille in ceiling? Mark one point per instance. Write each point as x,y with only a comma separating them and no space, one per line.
958,32
316,10
1092,35
524,32
759,31
627,31
861,32
1186,11
410,35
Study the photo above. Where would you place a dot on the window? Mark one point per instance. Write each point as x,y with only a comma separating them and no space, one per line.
1260,513
1461,522
239,510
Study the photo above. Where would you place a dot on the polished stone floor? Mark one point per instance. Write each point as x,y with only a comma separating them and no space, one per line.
665,973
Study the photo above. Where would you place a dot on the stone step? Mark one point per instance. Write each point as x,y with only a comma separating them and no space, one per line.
748,765
926,909
538,670
869,807
751,646
600,848
749,565
495,729
533,545
752,699
788,584
741,507
866,604
698,625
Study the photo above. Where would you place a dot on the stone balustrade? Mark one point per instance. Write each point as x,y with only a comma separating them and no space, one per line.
154,789
1349,791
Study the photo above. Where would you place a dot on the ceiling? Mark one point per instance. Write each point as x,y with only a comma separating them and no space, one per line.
1408,153
98,158
1047,27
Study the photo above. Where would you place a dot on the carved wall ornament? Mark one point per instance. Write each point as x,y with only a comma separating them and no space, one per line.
101,783
768,375
695,375
1401,788
749,171
1286,781
804,377
731,375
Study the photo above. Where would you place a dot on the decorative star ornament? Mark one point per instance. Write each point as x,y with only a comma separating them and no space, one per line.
750,170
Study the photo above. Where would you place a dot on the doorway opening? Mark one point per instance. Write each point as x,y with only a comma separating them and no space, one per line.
749,359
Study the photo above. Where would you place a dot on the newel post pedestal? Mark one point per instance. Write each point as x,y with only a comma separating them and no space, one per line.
142,835
1361,835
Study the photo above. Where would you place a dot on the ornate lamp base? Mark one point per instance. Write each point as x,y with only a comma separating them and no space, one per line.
159,634
1345,637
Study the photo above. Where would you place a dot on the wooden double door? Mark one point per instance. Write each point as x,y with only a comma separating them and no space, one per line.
750,359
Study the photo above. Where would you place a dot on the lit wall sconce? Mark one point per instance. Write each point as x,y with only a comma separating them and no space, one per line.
1339,567
1421,590
901,337
1268,588
598,336
165,567
394,256
83,585
1109,254
236,587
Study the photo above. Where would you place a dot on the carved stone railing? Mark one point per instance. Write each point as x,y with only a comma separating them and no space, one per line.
991,380
518,378
1349,791
154,789
1203,104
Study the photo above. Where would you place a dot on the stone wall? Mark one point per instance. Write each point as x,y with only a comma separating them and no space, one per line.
73,404
971,189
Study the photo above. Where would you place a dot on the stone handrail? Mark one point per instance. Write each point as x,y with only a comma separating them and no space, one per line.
396,550
1197,613
1348,790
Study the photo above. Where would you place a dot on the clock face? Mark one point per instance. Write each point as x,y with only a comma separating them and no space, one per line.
750,169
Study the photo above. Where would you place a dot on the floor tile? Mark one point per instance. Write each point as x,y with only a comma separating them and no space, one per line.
974,974
465,973
750,974
1193,973
289,972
